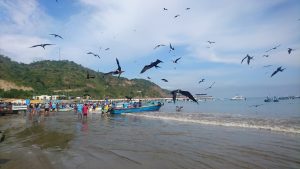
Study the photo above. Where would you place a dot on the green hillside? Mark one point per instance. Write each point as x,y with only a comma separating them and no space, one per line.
68,78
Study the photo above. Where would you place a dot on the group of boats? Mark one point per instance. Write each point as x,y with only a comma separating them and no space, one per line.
269,99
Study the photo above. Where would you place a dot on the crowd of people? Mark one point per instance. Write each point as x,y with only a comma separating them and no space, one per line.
81,109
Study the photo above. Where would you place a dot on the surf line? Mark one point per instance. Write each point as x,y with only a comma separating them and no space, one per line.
219,123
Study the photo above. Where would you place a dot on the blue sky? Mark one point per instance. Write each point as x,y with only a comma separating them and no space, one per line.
132,28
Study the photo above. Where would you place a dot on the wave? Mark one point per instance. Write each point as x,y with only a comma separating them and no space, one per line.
262,124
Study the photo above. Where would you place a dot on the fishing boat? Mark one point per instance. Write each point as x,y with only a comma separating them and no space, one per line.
135,108
237,97
268,99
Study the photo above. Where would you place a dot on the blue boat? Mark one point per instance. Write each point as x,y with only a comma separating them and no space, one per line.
152,106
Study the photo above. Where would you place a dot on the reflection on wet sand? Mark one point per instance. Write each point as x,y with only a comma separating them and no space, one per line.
30,140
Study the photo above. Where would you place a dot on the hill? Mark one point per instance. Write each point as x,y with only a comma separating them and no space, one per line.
68,78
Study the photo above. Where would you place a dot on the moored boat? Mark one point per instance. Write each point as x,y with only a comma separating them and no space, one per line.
268,99
152,106
237,97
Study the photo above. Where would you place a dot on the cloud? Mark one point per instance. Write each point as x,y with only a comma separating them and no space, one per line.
131,29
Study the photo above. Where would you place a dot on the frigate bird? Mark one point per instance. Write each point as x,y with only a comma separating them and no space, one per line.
279,69
41,45
268,65
157,46
152,64
178,108
56,35
256,105
290,50
129,97
210,42
116,72
176,60
91,53
210,86
273,48
202,80
171,47
248,59
185,93
165,80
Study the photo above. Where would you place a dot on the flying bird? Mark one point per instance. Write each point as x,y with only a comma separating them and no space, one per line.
56,35
116,72
176,60
41,45
165,80
290,50
210,42
148,77
279,69
185,93
273,48
256,105
210,86
91,53
176,16
171,47
152,64
157,46
248,59
178,108
202,80
268,65
266,56
165,9
187,8
128,97
107,49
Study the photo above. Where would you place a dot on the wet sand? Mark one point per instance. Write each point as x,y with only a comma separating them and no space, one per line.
27,143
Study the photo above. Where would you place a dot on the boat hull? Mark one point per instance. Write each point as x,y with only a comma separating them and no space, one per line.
135,109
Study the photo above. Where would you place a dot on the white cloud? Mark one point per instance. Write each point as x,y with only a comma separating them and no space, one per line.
131,28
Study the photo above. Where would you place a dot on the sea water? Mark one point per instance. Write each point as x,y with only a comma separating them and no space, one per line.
211,134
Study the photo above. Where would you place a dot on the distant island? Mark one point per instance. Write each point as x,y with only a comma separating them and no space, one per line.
19,80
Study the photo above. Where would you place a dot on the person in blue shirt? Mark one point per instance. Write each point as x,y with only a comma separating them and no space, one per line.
79,110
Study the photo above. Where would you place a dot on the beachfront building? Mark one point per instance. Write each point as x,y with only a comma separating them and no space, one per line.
41,97
47,97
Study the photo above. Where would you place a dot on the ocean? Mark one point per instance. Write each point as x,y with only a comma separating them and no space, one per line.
211,134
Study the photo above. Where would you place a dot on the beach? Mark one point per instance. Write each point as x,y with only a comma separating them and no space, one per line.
215,134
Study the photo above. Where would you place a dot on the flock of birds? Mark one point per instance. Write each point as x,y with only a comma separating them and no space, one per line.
155,64
279,69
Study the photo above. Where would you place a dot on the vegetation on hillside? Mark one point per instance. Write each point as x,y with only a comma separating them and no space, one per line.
68,78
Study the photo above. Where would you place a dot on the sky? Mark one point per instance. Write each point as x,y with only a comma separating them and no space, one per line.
132,28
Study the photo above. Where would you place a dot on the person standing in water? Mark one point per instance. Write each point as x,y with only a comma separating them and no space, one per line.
79,110
85,111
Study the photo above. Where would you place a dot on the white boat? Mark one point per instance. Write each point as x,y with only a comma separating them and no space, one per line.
238,98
